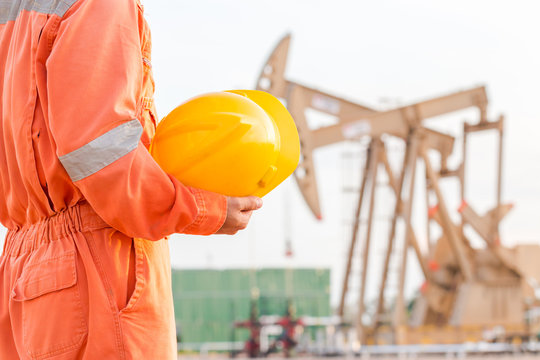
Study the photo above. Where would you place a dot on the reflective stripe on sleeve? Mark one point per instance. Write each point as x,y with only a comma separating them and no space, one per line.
10,10
103,151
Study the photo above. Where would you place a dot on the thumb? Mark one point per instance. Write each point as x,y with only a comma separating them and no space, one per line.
250,203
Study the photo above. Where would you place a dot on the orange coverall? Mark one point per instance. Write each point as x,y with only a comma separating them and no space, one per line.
79,190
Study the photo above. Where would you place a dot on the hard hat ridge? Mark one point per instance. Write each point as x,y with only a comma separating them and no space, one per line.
236,143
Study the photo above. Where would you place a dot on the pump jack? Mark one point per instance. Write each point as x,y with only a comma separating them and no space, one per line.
467,290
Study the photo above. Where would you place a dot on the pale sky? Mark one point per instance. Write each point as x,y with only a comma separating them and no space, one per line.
365,51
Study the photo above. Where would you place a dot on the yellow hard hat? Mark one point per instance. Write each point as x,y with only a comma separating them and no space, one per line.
236,143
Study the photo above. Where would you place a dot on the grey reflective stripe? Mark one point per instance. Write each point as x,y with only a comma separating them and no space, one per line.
10,9
103,151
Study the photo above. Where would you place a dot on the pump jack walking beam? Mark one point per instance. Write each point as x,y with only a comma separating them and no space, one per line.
353,120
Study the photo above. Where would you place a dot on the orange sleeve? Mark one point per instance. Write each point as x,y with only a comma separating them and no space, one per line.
94,92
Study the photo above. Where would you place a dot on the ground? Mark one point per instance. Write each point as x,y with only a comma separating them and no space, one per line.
497,357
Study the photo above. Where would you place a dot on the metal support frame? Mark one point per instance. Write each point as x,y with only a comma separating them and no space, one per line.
410,173
356,121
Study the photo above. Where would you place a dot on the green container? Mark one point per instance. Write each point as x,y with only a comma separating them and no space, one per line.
208,302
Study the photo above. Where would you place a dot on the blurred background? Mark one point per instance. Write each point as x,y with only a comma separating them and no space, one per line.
381,54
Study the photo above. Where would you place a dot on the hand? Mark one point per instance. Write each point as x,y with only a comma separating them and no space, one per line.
239,210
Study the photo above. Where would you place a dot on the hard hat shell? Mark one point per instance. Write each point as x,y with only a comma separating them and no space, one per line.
236,143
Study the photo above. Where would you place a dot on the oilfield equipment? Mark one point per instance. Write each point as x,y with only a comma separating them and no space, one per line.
470,293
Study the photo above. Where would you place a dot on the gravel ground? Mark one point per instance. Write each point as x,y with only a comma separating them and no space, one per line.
495,357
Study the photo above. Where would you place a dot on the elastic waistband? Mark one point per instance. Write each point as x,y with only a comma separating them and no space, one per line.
79,218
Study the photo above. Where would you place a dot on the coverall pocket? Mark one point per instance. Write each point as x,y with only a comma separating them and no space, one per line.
52,312
139,277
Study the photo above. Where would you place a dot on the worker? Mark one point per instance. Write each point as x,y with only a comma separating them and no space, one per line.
79,191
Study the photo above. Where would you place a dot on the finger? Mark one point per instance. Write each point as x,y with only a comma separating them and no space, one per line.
242,220
250,203
228,231
246,217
